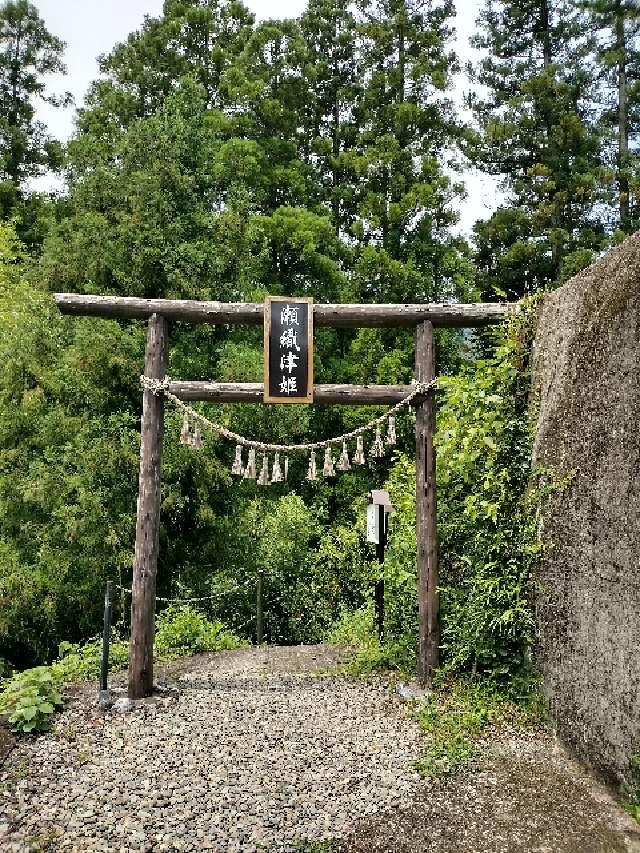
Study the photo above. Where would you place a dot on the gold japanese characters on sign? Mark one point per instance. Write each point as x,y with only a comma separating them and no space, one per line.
288,350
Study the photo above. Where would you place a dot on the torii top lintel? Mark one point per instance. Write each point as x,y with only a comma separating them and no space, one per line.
248,313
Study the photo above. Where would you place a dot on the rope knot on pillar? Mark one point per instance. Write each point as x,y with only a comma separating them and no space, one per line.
159,387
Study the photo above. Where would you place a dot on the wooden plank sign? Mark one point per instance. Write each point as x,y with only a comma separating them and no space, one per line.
288,350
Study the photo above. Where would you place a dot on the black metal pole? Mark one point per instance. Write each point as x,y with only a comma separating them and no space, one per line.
259,610
380,548
106,630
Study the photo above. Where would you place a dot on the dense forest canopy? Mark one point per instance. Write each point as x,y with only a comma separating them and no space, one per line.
217,157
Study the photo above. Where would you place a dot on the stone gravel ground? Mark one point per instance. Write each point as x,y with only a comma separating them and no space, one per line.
267,750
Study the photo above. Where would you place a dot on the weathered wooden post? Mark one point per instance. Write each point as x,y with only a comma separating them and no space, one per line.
143,593
426,524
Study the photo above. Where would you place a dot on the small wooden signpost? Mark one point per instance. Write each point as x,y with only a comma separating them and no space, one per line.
377,532
158,312
288,350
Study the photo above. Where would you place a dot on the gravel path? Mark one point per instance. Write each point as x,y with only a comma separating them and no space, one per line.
261,751
238,761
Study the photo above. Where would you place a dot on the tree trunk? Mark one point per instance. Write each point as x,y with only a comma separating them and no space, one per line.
623,119
335,148
545,34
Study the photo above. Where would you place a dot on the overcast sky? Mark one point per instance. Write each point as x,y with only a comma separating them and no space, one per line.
92,27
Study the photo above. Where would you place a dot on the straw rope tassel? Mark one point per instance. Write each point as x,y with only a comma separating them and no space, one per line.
391,431
237,468
358,458
343,462
263,479
185,433
286,468
377,448
327,469
196,438
312,473
250,470
276,471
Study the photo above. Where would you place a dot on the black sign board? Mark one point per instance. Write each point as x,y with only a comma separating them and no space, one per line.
288,350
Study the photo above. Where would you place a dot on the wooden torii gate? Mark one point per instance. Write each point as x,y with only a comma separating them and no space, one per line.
159,312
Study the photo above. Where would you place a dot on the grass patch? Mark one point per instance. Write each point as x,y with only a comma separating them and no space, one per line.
631,795
459,714
45,842
355,629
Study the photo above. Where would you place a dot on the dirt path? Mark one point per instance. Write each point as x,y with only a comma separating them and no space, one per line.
525,796
262,750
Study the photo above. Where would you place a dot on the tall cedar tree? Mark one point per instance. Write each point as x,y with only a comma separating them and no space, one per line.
537,133
407,127
28,52
199,39
617,23
332,72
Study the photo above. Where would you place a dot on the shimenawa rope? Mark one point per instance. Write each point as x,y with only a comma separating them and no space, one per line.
160,387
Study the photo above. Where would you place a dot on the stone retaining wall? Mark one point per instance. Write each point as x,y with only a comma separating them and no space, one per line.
586,369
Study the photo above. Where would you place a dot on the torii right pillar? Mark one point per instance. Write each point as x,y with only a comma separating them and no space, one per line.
426,522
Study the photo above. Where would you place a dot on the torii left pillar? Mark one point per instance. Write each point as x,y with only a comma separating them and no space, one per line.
143,593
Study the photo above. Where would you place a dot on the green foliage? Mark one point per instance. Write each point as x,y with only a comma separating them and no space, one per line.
183,630
68,450
29,699
487,510
28,54
356,629
486,515
538,135
82,661
631,793
352,628
310,572
458,714
219,159
288,157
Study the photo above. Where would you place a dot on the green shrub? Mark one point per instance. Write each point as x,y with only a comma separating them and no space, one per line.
29,699
487,520
455,716
352,628
488,509
82,661
183,630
